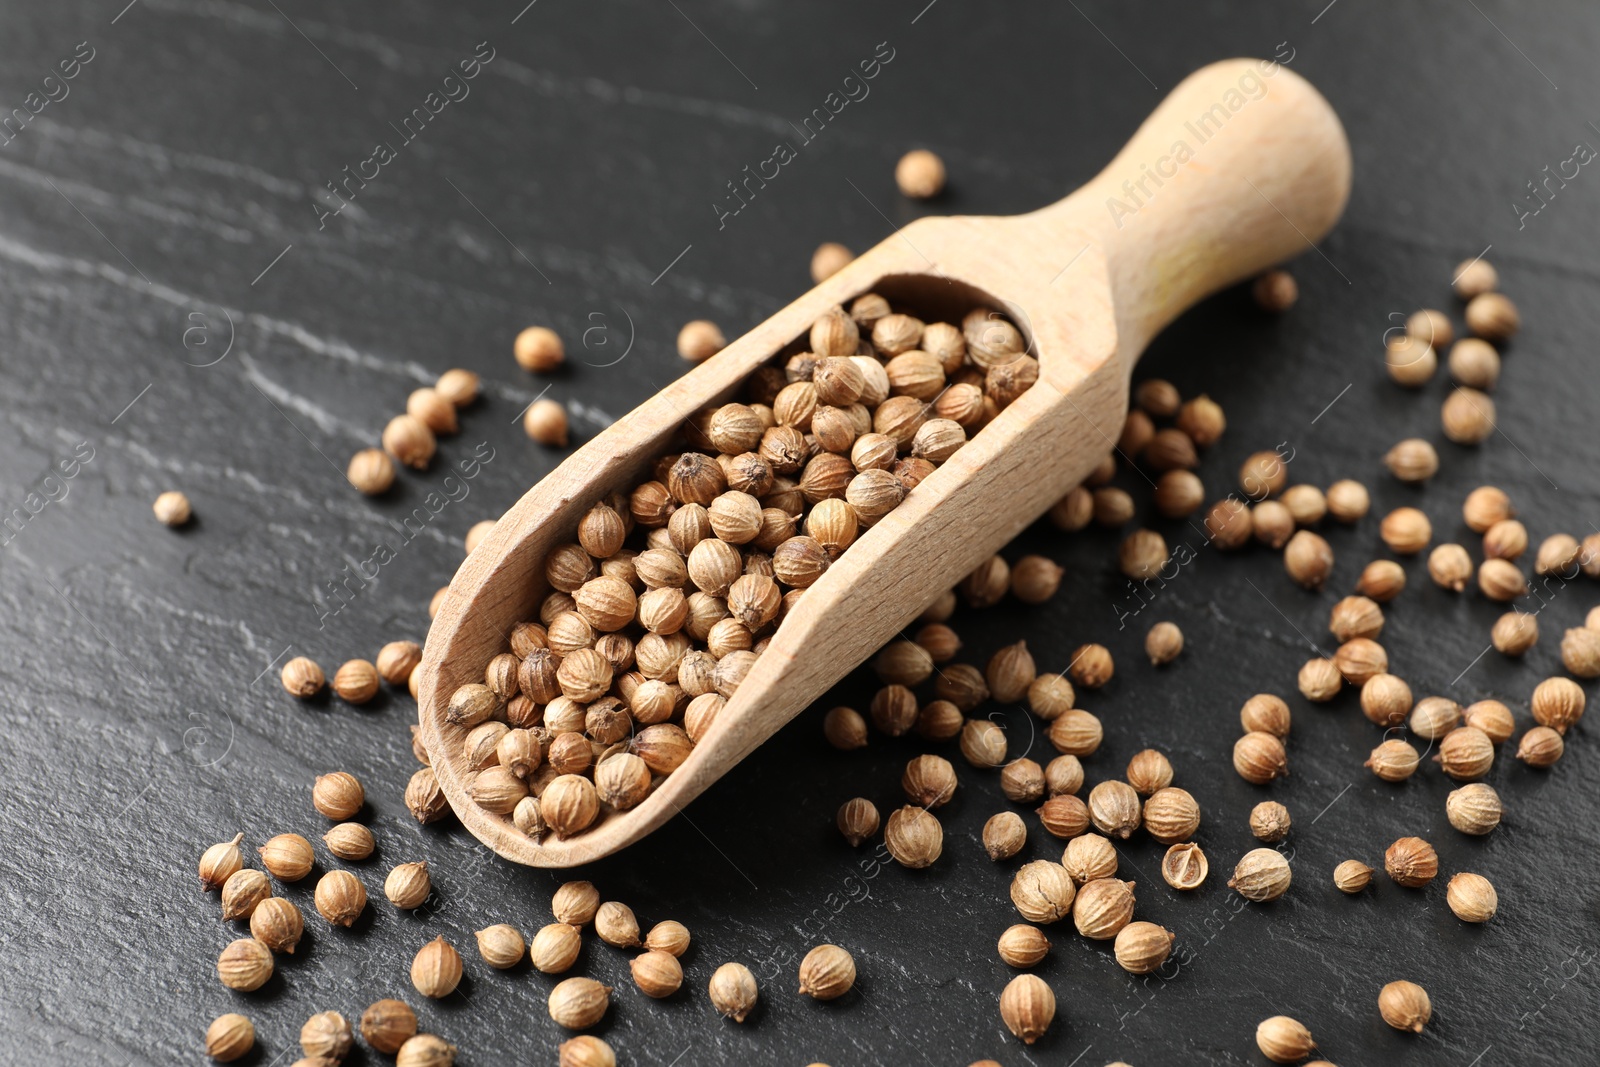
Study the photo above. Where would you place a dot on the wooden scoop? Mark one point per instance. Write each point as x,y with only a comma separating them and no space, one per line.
1242,167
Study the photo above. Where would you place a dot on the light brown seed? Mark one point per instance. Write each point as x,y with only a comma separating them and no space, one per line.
579,1003
1352,876
1262,874
1102,908
1027,1007
733,991
1411,862
1023,946
1284,1040
1185,866
1405,1005
827,972
1142,947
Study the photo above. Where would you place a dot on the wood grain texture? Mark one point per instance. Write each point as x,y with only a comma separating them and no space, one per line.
1273,176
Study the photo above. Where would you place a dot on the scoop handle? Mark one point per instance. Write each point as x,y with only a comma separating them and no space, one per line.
1244,165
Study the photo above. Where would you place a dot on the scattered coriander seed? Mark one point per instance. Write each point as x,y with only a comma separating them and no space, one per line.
1474,363
1149,771
1465,753
1089,856
230,1037
435,412
1264,712
579,1003
1027,1007
1157,397
1284,1040
436,969
1050,695
1485,506
1492,717
1275,291
1091,666
614,922
1306,503
1163,643
1114,808
245,965
1411,862
1022,781
699,340
396,660
1203,420
668,936
1540,747
408,439
278,924
1142,947
1474,277
1042,891
458,386
1171,815
1074,511
338,795
657,974
1412,461
1405,1005
1386,700
1263,474
1557,703
940,720
1137,432
1023,946
1102,908
327,1034
1493,317
1472,897
1076,732
1178,494
827,972
1269,822
302,678
845,728
545,421
1320,680
424,1050
1558,555
1406,531
733,991
388,1024
356,681
1272,523
919,174
1359,659
501,945
340,897
1184,866
983,743
857,820
408,885
1259,757
1506,539
1228,524
1515,632
1411,361
1261,875
172,508
1580,651
1467,416
220,862
1009,673
1382,581
1064,816
586,1050
1348,500
829,259
894,707
538,349
350,841
1434,717
1450,567
1352,876
1394,760
1035,579
555,948
1143,555
913,837
371,471
575,903
244,889
1430,326
287,857
1063,775
424,799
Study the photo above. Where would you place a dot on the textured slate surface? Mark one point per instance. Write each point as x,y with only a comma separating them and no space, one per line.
165,205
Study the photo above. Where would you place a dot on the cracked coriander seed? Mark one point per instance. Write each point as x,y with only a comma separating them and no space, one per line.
1102,908
1411,862
827,973
1004,835
340,897
1405,1006
1473,809
1023,946
733,991
1184,866
408,885
913,837
1472,897
388,1024
857,820
1027,1007
1042,891
555,948
328,1035
1284,1040
245,965
1261,875
302,678
1269,822
230,1037
220,862
1352,876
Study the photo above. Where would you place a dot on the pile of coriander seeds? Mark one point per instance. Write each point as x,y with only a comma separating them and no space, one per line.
660,607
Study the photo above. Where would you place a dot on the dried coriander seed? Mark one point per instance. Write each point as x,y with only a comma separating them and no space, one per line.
278,924
1115,809
844,728
1434,717
244,889
436,969
1142,947
555,948
1580,651
1064,816
172,508
327,1035
1352,876
699,340
1171,815
340,897
1506,539
1042,891
1411,361
1406,531
1284,1040
501,945
827,972
1465,753
1102,908
1163,643
1394,760
657,974
1022,780
1541,747
1514,633
1360,659
1386,700
1063,775
1405,1005
230,1037
614,922
733,991
1269,822
245,965
1411,862
1412,461
1472,897
408,885
857,820
579,1003
1492,717
425,1050
1149,771
1501,580
1259,757
1027,1007
396,660
338,795
1035,579
1089,856
287,857
1309,559
1076,733
575,903
1184,866
356,681
1348,500
388,1024
1557,703
913,837
538,349
1382,580
586,1050
1091,666
1266,713
1261,875
220,862
1320,680
545,422
302,678
1023,946
983,743
1050,695
668,936
1473,809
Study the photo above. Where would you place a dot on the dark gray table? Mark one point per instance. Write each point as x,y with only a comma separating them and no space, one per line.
168,204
